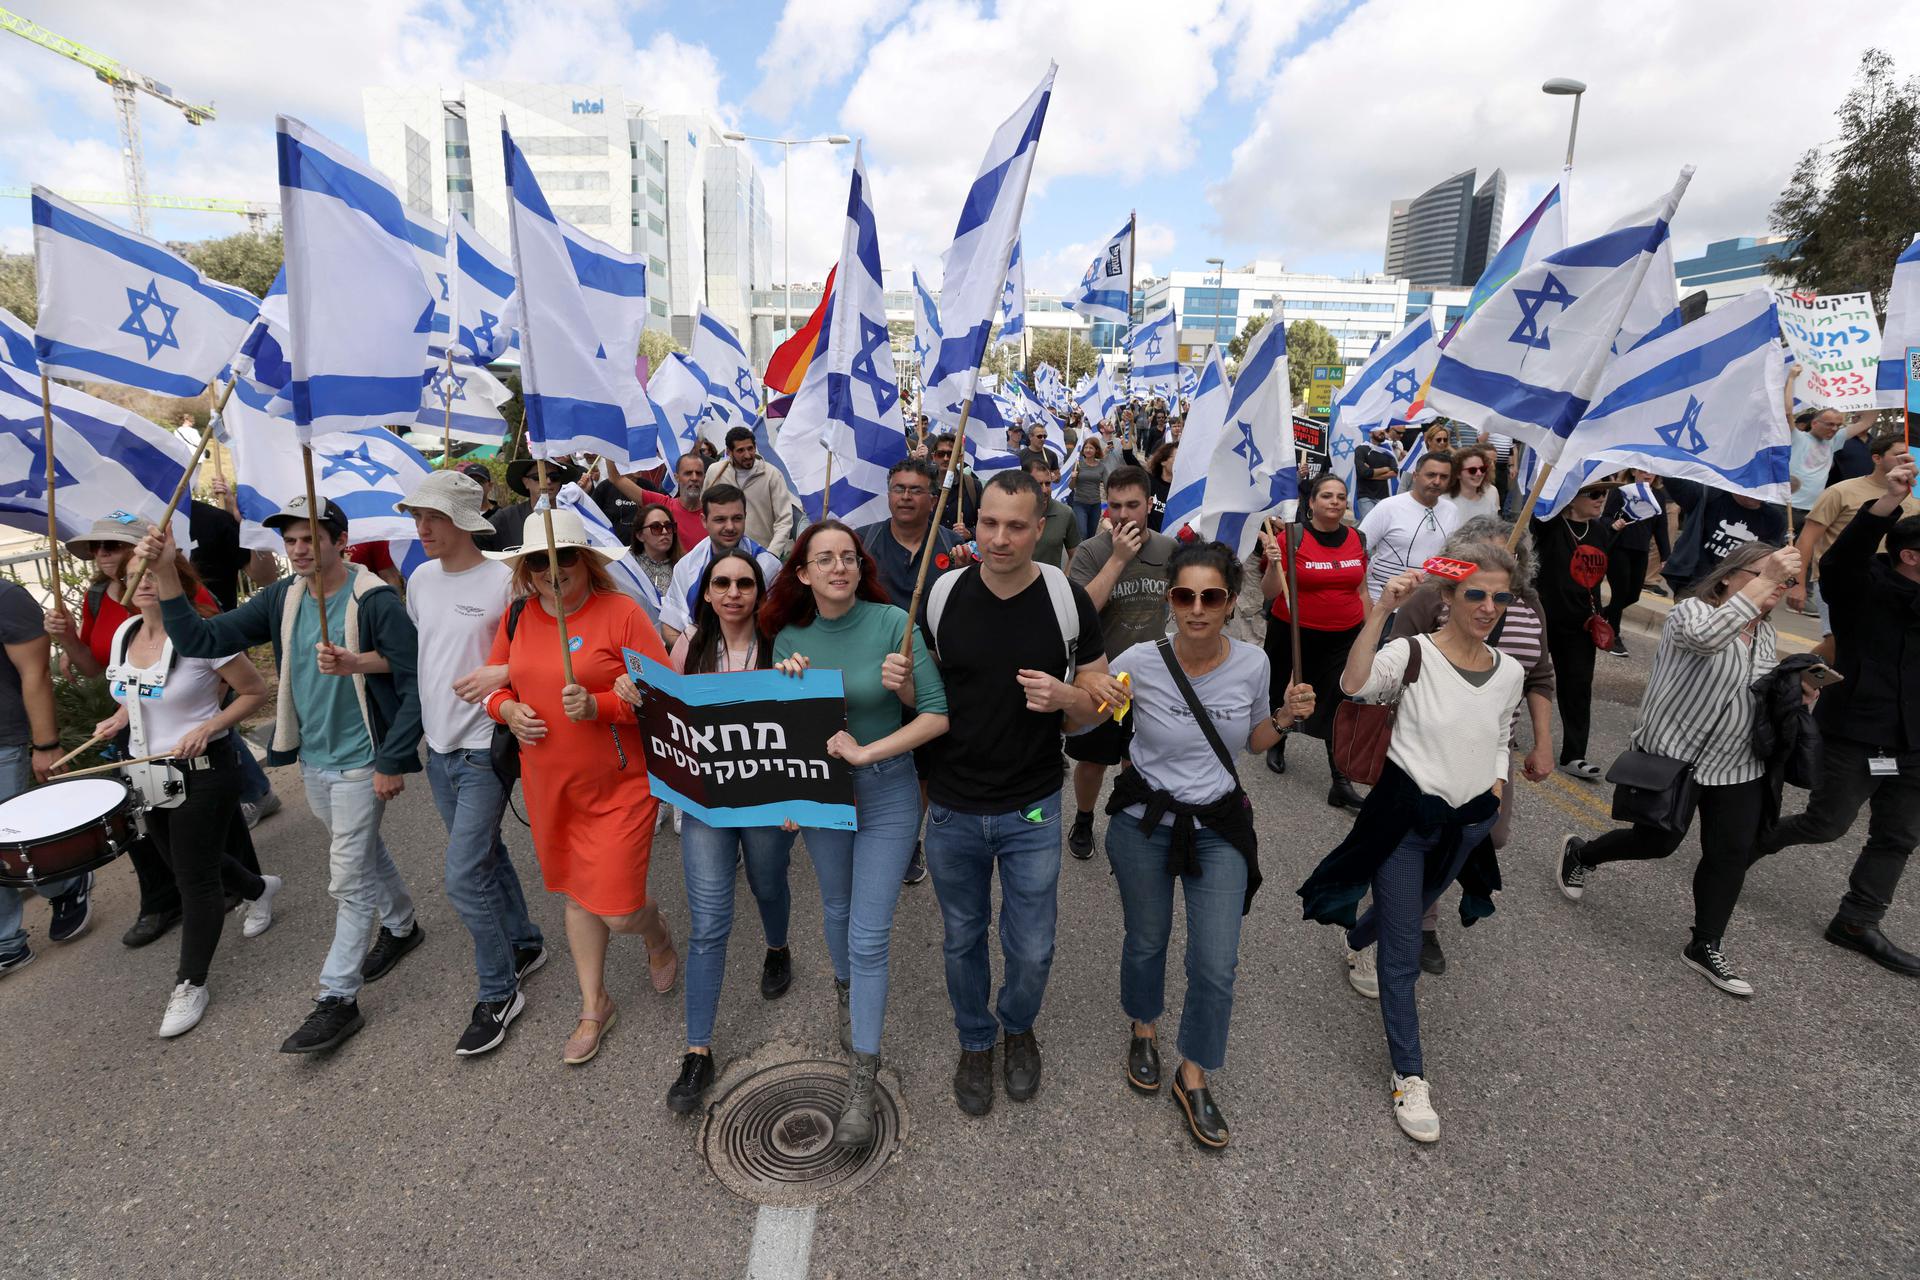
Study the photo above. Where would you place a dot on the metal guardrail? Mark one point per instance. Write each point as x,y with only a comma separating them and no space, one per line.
32,570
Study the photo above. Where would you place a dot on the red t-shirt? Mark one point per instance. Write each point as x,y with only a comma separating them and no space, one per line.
96,629
1329,581
374,555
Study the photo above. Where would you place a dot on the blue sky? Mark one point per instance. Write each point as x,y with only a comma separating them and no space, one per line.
1277,129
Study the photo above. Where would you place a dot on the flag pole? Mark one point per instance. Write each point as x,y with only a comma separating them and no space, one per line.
180,490
1293,591
553,571
313,532
826,493
933,529
446,400
53,522
1526,512
1133,255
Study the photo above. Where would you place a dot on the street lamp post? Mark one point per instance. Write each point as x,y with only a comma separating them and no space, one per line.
1219,290
786,146
1562,87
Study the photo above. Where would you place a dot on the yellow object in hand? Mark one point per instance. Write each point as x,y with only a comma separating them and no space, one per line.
1120,712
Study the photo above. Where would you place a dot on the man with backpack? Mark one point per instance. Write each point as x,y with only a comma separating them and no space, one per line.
456,601
1010,635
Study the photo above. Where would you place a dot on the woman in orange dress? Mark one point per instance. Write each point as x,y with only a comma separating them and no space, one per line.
582,768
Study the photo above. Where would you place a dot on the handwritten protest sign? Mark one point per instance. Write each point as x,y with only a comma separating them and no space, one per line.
1836,340
745,748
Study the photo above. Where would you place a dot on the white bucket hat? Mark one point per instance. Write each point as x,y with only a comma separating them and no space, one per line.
568,531
453,495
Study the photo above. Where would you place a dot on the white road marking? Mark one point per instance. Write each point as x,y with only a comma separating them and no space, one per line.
782,1244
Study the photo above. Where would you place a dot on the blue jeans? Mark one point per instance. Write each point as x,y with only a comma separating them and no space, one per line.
1088,516
962,850
254,786
361,875
1360,508
1400,898
16,775
481,882
709,859
1214,898
859,874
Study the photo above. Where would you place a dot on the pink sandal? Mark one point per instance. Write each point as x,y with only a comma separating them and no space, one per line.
664,975
583,1044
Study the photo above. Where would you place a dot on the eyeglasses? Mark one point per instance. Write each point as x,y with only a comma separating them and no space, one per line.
1479,595
537,560
827,560
1208,597
909,490
731,584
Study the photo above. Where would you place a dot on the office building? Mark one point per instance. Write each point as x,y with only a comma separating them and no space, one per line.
1729,268
1215,306
663,185
1443,237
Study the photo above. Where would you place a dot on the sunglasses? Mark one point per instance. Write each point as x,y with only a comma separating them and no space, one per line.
1479,595
537,560
729,584
1209,597
1473,471
656,526
1593,493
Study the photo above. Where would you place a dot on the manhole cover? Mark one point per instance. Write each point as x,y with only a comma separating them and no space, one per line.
770,1140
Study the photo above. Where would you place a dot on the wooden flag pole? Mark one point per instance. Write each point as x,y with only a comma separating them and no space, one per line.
1293,595
1526,512
933,529
179,490
53,522
313,532
446,400
826,494
553,571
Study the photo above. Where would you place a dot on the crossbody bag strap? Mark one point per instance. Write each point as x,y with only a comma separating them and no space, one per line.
1199,712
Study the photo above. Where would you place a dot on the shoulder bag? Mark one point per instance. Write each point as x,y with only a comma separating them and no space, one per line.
1362,731
1660,791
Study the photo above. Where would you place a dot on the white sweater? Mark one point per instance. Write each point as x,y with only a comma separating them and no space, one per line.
1449,737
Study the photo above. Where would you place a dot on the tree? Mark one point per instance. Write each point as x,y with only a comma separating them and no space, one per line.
1848,215
1241,340
656,345
1050,346
245,261
1308,343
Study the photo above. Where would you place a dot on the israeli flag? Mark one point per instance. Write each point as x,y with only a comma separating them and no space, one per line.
614,285
119,308
262,359
574,390
1189,380
1410,461
600,532
1655,310
1013,299
429,239
1103,289
359,313
16,343
681,394
986,446
1640,502
1901,330
1562,486
1236,463
480,286
733,391
975,266
1155,354
848,404
1051,391
1702,403
926,326
464,399
1026,409
109,462
1528,362
1383,389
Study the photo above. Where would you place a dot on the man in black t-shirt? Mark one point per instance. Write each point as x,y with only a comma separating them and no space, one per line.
994,792
217,555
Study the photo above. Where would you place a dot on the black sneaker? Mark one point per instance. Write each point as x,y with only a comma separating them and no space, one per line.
333,1020
1572,875
1705,959
776,973
149,928
973,1081
488,1030
1432,959
72,911
19,959
1080,837
387,950
1619,648
1022,1066
696,1077
916,866
526,960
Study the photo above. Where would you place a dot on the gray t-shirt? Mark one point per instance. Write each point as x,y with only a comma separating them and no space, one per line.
21,620
1136,608
1169,749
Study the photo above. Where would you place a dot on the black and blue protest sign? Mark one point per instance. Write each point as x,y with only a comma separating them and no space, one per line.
745,748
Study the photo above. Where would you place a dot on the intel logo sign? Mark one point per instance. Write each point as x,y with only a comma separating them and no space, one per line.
589,106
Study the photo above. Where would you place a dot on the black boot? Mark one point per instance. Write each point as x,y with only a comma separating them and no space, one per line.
856,1126
1340,794
1277,755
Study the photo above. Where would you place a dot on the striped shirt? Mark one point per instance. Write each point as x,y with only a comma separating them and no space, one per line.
1698,705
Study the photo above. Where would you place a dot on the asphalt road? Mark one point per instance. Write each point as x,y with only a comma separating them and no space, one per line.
1605,1112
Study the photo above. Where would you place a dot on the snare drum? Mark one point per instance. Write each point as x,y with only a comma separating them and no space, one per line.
64,828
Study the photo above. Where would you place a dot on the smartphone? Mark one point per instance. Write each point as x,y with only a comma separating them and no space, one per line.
1823,675
1453,570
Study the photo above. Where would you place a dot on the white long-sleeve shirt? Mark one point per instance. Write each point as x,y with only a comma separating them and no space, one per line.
1450,735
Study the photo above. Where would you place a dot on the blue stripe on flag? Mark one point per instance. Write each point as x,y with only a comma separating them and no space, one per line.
1769,466
1693,366
234,302
474,264
985,191
308,169
1614,249
116,369
598,271
526,193
562,418
338,394
1507,396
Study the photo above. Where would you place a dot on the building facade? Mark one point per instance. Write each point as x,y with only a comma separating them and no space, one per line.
657,184
1443,237
1729,268
1215,306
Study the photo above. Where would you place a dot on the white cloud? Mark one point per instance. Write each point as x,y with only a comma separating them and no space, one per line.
1401,94
817,43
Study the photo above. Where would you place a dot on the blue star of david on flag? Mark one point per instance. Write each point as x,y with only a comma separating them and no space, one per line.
451,386
743,382
1532,331
1685,434
1402,385
873,336
141,304
445,296
359,462
1152,348
690,428
1247,448
483,332
1342,447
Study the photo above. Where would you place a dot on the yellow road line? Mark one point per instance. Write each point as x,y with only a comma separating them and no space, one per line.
1583,793
1582,815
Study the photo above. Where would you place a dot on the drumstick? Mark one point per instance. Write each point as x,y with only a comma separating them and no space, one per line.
118,764
98,737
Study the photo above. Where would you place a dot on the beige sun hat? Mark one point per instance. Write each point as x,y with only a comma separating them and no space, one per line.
455,496
568,531
124,529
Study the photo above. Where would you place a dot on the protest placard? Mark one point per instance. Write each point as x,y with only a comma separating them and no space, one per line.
1836,340
745,748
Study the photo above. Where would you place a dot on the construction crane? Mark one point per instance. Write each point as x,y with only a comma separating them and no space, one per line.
260,217
125,83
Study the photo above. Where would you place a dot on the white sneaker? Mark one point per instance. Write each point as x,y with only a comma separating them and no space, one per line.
1361,971
676,821
1413,1108
260,910
184,1010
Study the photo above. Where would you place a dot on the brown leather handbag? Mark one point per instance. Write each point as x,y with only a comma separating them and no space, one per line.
1363,730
